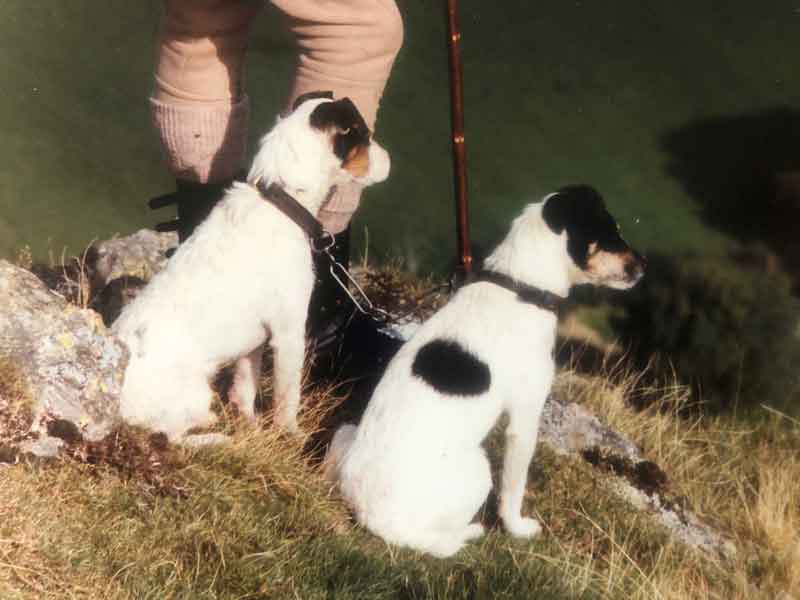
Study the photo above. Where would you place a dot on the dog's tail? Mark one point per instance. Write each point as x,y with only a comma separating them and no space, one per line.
342,440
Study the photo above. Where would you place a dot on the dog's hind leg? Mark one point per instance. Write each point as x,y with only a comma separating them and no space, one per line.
244,389
439,521
342,440
288,347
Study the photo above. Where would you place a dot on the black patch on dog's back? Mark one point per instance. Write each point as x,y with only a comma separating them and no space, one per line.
581,211
450,369
342,116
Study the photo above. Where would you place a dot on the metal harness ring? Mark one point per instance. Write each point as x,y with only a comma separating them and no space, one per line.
326,238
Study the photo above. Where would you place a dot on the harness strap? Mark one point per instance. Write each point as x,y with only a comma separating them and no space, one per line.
525,293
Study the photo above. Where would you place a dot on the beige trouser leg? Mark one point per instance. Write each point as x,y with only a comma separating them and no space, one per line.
348,47
198,105
200,109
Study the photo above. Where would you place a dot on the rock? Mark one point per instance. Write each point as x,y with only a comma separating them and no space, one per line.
110,301
44,447
200,440
139,256
571,430
121,267
72,363
109,274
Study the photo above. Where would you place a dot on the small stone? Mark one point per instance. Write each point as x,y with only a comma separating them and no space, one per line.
199,440
44,447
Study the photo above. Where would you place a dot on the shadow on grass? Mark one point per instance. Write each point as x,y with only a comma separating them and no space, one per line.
743,171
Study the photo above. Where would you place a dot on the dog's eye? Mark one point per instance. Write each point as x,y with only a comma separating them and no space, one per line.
593,248
345,132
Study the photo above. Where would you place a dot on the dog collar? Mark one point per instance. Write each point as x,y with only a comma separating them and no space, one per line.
320,238
525,293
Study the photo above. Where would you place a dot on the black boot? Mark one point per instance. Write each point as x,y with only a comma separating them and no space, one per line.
194,202
330,308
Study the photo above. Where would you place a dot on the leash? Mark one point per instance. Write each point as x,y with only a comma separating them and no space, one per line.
321,241
528,294
459,146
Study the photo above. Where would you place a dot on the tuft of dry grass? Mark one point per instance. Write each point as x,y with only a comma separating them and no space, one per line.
68,276
16,408
401,293
24,257
743,478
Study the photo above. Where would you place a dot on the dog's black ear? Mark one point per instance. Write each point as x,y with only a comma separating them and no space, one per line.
341,115
311,96
572,204
343,120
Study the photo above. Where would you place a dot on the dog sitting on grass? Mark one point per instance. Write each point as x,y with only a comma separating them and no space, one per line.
414,470
244,276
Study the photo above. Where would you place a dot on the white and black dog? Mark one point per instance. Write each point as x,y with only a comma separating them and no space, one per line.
244,276
414,470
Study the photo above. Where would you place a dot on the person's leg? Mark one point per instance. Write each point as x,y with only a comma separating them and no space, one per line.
199,108
348,47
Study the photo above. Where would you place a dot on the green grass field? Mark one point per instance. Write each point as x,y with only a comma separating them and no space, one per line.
611,93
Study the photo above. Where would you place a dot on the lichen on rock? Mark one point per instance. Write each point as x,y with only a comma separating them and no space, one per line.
140,255
72,364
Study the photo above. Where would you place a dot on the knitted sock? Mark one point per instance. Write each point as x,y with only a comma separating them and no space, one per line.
204,142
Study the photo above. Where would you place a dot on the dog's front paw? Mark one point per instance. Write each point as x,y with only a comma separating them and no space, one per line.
522,527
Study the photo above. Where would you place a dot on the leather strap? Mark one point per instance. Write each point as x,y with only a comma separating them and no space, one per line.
525,293
321,239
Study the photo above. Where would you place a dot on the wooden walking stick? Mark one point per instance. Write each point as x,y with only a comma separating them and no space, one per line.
459,148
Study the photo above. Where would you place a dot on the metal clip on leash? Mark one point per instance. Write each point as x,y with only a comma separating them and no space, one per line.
365,306
321,241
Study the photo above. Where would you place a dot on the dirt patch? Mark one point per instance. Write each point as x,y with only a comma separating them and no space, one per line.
644,475
134,455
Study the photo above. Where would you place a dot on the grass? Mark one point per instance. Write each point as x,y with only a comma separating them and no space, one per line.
135,518
251,520
744,479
